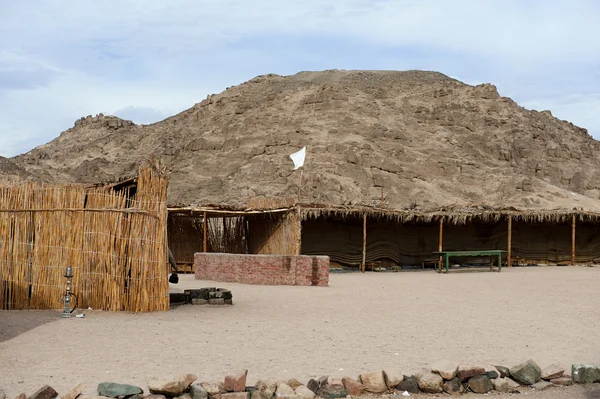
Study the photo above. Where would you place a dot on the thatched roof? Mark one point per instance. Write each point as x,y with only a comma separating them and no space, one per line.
450,214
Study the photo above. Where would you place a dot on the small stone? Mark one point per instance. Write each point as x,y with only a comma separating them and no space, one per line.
260,395
73,393
155,396
235,395
430,382
197,391
199,301
331,388
114,390
453,386
235,381
303,392
392,378
541,385
501,384
352,386
213,387
480,384
184,396
409,384
216,301
527,373
313,385
294,383
585,373
373,382
492,374
21,396
164,387
228,301
284,391
268,386
464,373
504,371
186,380
562,381
45,392
551,372
445,368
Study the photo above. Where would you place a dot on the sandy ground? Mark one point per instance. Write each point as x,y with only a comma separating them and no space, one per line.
359,323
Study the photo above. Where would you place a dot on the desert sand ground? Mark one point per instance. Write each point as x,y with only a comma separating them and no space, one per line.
359,323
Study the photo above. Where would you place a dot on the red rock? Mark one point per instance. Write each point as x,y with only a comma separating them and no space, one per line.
21,396
235,381
45,392
464,373
352,387
551,372
564,381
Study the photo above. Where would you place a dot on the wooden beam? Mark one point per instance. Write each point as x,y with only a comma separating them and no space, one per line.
573,223
440,246
364,253
509,243
205,224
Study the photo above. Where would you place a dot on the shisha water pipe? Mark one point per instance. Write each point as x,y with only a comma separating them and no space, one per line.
68,294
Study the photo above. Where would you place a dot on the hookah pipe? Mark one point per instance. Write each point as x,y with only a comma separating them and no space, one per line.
68,294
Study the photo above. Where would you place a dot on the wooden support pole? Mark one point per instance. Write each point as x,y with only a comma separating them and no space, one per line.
299,232
205,224
440,246
509,243
364,253
573,241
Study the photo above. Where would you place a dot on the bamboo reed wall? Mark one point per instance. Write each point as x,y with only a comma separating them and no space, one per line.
115,245
276,234
186,237
227,235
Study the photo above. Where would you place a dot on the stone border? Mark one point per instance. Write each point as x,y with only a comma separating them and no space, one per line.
443,376
203,296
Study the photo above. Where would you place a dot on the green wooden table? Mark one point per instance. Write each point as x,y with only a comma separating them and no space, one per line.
491,253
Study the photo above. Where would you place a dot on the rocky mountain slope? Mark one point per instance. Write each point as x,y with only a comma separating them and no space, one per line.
409,139
10,172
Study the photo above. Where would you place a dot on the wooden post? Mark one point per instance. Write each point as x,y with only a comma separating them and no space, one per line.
299,238
440,242
205,224
573,242
509,244
300,184
364,257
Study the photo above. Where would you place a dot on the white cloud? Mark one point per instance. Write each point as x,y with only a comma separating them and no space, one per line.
77,57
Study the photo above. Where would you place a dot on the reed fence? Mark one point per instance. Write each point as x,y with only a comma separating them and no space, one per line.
115,244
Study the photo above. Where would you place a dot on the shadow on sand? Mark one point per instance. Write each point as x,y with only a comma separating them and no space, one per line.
16,322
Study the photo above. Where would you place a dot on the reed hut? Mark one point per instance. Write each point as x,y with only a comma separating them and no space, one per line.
113,237
365,237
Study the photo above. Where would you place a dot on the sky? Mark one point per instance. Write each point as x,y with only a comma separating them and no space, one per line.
147,60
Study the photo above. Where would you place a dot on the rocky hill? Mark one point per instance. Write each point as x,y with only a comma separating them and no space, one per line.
400,139
10,172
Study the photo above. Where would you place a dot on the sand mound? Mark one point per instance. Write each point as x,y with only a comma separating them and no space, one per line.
400,139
